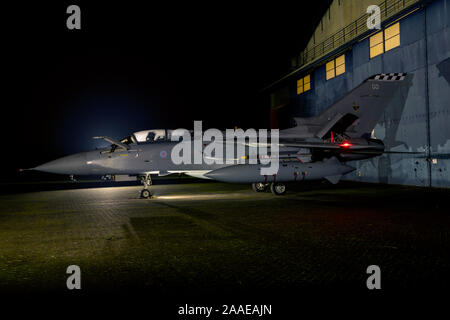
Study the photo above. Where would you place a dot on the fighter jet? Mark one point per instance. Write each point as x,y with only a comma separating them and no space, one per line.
315,148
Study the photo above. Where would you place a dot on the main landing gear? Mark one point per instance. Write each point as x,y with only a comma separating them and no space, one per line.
277,188
259,186
147,182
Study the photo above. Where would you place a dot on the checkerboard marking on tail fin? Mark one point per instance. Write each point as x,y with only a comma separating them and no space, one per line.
389,77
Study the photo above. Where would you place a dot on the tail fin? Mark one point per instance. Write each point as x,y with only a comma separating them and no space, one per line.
357,113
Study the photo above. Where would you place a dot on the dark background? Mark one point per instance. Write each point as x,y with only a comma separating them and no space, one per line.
133,67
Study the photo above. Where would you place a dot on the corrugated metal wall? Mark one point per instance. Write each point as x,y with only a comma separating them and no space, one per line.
422,121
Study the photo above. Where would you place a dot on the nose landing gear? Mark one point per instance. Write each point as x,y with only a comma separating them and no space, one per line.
259,186
145,193
147,182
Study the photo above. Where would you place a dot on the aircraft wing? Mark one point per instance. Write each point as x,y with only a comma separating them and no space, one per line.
112,141
346,147
310,145
330,146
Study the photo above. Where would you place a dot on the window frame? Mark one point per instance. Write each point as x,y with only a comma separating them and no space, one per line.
333,69
377,44
307,83
302,84
386,38
392,37
340,65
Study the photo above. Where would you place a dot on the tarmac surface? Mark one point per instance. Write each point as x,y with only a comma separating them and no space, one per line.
213,237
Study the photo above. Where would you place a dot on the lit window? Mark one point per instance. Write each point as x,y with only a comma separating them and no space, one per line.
340,65
385,41
300,86
392,37
330,70
304,84
336,67
307,83
376,45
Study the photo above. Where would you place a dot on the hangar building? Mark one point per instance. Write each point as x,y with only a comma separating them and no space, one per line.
414,38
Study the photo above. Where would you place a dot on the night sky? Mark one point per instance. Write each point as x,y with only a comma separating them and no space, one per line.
132,68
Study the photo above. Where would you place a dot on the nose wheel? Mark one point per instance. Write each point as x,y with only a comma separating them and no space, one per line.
147,182
145,193
259,186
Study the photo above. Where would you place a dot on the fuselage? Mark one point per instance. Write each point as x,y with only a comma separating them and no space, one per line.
140,159
141,155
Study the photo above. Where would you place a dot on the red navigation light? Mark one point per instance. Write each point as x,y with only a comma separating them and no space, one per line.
345,145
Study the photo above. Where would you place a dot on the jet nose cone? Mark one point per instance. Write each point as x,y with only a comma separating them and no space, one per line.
73,164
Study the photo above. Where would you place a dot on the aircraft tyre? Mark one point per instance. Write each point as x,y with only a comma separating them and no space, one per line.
278,188
259,187
145,193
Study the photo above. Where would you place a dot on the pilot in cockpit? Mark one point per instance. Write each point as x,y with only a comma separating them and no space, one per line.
150,137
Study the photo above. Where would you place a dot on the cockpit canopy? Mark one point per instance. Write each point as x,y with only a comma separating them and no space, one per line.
150,135
154,135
